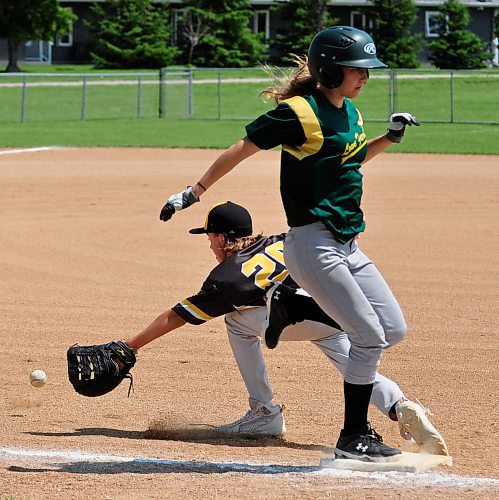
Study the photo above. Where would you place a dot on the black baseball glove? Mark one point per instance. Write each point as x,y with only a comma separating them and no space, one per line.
98,369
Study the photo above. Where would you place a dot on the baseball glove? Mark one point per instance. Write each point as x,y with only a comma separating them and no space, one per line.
98,369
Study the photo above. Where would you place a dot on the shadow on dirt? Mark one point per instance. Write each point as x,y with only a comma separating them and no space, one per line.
201,435
150,466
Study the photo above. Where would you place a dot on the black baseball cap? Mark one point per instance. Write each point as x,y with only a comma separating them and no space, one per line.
227,218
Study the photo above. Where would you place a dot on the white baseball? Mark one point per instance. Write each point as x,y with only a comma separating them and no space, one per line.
38,378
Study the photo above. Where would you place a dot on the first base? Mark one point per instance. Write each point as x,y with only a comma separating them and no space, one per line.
406,462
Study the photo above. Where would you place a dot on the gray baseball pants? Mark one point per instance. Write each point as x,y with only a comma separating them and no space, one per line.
244,329
349,288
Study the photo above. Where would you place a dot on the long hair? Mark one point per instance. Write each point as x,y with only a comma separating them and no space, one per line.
232,246
297,83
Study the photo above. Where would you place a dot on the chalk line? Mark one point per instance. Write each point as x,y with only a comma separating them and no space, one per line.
28,150
70,461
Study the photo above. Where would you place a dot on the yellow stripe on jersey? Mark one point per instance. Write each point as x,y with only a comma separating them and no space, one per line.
354,152
195,311
358,144
311,127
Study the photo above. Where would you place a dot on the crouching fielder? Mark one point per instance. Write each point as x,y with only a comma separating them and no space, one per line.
248,265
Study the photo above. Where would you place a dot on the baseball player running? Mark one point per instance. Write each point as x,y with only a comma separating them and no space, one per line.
248,266
324,146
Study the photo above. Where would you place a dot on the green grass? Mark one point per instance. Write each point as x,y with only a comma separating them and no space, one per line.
154,132
53,113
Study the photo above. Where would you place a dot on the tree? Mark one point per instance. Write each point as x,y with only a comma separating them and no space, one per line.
304,18
395,44
228,40
196,25
25,20
131,34
456,47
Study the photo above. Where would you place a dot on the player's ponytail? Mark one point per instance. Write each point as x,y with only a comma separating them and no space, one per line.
297,83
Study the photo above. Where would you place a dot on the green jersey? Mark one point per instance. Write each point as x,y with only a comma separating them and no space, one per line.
322,149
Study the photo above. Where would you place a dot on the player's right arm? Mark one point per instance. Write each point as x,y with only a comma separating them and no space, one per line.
275,127
278,126
231,157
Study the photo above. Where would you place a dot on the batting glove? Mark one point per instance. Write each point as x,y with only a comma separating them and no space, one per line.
398,122
177,202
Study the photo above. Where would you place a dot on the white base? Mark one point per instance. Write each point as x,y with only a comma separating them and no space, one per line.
406,462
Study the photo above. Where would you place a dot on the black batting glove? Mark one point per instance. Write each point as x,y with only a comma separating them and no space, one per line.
177,202
398,122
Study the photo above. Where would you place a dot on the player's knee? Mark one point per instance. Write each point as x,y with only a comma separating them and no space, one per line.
396,334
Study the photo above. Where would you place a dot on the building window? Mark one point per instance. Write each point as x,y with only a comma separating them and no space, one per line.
261,23
360,20
432,24
66,39
177,25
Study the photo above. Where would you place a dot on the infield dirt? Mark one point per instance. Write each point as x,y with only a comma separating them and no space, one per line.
84,258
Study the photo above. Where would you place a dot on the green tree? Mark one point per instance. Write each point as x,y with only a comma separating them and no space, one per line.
25,20
391,31
303,18
195,26
131,34
227,40
456,47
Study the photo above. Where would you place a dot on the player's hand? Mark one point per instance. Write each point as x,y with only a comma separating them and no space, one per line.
177,202
398,122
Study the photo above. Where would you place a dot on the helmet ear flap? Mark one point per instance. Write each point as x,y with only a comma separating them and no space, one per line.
332,77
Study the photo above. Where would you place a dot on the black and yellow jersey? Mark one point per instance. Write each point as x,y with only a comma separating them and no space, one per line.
322,150
238,282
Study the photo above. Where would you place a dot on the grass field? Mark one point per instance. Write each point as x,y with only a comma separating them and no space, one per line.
153,132
54,113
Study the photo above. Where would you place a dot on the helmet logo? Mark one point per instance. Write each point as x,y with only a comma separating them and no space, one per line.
370,48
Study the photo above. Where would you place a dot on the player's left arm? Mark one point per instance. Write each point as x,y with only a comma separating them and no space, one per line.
376,146
166,322
395,133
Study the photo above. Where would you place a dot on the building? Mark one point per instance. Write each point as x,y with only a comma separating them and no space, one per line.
74,46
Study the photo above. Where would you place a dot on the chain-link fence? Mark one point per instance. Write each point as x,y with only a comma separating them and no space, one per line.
434,96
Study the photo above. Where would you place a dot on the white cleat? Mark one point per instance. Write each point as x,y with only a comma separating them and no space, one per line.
414,423
259,420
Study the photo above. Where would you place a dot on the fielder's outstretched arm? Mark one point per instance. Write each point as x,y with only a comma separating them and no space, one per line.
166,322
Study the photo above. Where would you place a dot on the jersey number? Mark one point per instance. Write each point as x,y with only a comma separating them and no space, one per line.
264,264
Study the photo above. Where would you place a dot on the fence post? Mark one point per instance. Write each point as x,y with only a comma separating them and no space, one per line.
23,100
139,96
83,98
219,95
190,96
162,93
452,96
393,90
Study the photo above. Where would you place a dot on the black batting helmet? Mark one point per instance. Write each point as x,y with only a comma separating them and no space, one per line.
340,46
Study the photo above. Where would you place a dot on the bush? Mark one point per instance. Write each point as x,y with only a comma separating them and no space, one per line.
456,47
131,34
392,32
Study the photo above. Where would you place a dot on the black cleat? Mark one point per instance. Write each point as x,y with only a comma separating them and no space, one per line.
367,446
277,314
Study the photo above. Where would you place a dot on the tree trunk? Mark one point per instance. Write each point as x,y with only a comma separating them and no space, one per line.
191,53
12,66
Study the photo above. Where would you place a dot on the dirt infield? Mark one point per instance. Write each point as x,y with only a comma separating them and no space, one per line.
84,258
